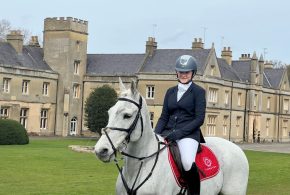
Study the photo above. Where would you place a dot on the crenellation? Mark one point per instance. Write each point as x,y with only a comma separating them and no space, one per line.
66,24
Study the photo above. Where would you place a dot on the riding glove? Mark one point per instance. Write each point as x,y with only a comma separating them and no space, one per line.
171,137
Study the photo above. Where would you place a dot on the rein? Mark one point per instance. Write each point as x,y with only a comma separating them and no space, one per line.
133,190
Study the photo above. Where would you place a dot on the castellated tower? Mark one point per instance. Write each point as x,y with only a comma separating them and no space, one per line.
65,51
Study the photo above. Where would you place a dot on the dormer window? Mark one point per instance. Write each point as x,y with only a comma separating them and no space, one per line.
212,67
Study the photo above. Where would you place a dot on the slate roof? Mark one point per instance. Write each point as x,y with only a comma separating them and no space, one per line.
243,69
227,71
31,57
266,82
274,76
163,60
271,77
114,64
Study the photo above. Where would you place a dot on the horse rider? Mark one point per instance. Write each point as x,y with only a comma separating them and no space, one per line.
182,116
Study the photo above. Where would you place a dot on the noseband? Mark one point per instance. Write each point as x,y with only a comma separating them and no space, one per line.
133,125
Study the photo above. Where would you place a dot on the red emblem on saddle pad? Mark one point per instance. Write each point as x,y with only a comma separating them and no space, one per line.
205,160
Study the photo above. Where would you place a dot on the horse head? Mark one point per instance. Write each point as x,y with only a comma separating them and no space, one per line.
125,123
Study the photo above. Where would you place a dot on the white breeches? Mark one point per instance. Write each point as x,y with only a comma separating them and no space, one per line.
188,149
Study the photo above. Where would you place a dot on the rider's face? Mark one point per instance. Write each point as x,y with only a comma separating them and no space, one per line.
184,77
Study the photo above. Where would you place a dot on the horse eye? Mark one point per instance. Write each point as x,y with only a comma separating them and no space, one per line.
127,116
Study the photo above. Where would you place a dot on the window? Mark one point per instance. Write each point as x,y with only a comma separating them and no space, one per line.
286,105
257,79
76,91
267,126
225,125
23,117
25,87
268,103
4,113
151,118
76,67
211,125
150,90
45,86
73,126
43,119
212,67
255,100
226,97
238,124
239,99
284,85
238,121
212,96
6,85
284,127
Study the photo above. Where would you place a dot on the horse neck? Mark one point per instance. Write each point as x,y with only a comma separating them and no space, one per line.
147,143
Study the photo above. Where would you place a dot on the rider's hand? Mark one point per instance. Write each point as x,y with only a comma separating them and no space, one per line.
171,137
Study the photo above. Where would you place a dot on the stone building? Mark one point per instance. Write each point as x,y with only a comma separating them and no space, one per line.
46,88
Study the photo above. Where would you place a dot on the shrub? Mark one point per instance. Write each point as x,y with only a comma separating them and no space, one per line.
12,132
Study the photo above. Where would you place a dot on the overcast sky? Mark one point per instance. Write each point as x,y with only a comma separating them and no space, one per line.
123,26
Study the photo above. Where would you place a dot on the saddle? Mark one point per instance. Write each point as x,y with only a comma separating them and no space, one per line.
206,161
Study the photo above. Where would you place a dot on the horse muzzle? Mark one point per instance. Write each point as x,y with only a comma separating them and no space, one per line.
104,154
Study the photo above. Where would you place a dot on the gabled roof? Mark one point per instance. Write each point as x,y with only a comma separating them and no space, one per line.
266,82
274,76
31,57
163,60
114,64
243,69
227,71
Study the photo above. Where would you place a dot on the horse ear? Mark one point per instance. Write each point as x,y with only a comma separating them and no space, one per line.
133,87
121,85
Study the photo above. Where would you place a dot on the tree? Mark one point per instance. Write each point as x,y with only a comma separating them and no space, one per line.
5,27
96,107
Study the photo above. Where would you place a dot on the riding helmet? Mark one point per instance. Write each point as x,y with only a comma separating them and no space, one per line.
186,63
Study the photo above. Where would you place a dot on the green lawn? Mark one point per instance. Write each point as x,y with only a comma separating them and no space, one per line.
269,173
48,166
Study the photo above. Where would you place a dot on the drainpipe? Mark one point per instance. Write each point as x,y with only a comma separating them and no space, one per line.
56,106
278,138
82,108
245,138
231,107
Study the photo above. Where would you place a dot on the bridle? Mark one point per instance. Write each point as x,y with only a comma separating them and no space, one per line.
133,125
133,189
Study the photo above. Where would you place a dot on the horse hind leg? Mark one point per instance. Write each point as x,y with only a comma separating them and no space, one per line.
235,183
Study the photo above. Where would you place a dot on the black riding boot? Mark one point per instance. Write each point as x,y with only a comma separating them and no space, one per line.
193,181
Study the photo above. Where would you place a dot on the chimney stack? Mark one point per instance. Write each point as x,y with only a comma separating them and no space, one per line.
227,55
15,38
268,65
245,57
34,41
197,44
151,46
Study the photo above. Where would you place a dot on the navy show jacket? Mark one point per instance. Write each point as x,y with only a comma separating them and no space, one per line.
183,118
